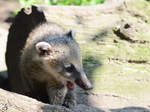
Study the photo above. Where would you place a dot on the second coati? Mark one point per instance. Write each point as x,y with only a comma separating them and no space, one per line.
50,66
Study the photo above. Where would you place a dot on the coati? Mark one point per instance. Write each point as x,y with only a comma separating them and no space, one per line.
50,65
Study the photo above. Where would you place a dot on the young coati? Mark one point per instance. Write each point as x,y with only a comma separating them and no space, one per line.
50,66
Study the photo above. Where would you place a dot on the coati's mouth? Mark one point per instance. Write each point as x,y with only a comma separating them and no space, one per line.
70,85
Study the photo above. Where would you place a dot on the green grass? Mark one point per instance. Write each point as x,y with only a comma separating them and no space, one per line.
76,2
61,2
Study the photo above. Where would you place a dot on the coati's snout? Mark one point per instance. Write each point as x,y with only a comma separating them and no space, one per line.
79,77
83,82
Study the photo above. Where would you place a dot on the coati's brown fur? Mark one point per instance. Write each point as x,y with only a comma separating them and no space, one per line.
50,65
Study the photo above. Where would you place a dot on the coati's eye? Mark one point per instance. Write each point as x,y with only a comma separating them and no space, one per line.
69,68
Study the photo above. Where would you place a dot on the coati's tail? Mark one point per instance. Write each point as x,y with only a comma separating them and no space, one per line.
83,82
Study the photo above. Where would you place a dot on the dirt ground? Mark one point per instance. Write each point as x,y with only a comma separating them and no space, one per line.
103,102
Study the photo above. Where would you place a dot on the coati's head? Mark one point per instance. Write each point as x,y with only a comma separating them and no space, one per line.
61,55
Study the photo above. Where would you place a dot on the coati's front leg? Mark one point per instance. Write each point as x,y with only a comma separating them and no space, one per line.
70,99
56,95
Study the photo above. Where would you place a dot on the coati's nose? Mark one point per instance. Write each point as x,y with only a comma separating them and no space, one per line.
89,87
83,82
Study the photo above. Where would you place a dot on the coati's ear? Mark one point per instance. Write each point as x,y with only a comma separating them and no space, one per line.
43,48
71,33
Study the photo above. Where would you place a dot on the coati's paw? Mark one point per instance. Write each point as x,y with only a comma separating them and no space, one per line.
69,103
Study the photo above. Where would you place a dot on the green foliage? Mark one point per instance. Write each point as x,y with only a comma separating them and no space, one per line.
15,13
61,2
76,2
28,2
